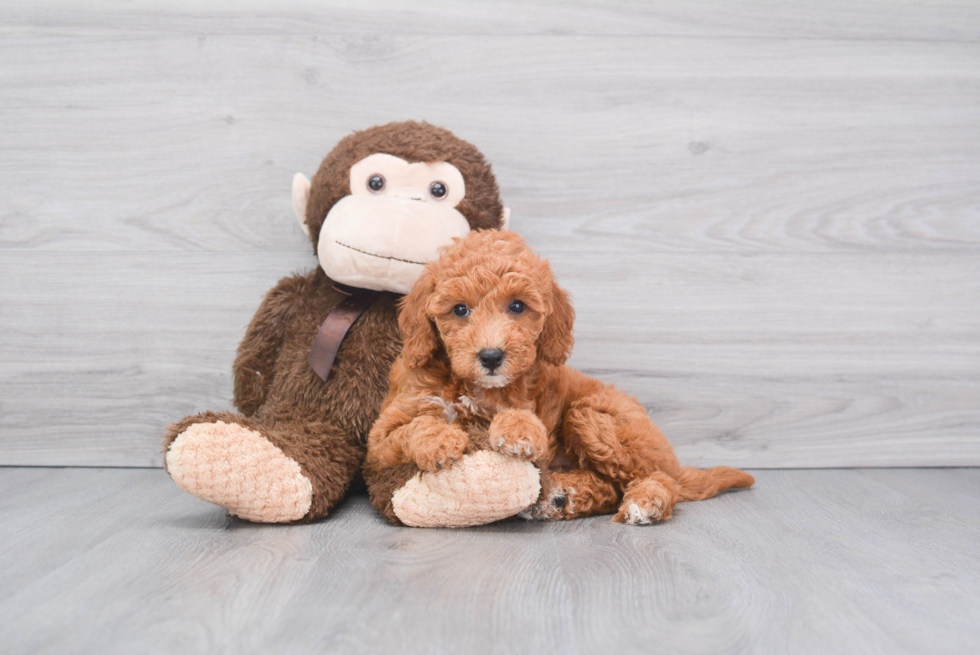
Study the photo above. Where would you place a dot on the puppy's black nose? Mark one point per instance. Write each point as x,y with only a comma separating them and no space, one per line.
491,359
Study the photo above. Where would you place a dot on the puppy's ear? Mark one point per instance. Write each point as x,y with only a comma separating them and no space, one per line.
556,340
418,332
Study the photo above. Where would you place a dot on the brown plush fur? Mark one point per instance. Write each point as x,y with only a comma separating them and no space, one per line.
321,425
533,406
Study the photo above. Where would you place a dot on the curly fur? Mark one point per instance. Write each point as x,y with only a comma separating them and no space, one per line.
532,406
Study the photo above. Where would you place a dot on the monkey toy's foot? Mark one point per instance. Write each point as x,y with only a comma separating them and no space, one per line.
239,469
481,488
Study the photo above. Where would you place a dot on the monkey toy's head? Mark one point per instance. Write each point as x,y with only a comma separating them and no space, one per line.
386,199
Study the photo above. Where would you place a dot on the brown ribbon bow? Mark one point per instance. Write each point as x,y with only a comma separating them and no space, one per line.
334,328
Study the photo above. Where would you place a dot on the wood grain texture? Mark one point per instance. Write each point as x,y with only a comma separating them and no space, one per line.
855,371
768,214
177,143
945,20
121,561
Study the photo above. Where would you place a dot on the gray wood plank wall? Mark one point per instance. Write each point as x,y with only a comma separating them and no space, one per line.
768,212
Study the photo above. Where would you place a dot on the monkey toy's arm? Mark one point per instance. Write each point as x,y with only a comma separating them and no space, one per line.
254,367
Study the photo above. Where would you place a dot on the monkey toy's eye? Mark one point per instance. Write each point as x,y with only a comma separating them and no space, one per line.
461,310
376,183
517,307
438,190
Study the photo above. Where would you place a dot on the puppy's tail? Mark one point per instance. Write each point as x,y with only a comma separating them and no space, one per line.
698,484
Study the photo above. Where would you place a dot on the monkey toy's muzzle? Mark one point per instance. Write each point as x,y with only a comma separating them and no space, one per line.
383,242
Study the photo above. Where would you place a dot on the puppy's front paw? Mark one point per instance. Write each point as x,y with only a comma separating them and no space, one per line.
519,433
439,447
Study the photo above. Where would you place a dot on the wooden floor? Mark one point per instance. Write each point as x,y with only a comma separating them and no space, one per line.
831,561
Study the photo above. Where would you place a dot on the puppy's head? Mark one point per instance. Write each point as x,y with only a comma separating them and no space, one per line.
492,305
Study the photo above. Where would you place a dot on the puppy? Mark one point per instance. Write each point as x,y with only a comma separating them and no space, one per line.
486,334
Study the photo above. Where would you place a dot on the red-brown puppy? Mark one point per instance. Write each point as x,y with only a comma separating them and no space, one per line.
487,332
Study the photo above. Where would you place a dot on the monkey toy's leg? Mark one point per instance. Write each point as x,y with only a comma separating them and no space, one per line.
482,487
285,472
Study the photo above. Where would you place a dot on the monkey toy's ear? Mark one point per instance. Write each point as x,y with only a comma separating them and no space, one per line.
417,330
301,196
505,219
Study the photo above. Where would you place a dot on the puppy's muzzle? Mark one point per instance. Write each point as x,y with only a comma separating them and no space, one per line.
491,359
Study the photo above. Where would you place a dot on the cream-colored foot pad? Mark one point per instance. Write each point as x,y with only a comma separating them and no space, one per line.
234,467
483,487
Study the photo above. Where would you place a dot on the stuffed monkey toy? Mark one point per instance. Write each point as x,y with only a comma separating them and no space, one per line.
312,370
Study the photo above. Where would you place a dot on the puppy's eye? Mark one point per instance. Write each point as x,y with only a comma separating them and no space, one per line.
461,310
376,183
517,307
438,190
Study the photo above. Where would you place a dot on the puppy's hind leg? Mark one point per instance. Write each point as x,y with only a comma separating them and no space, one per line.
571,494
648,499
614,434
